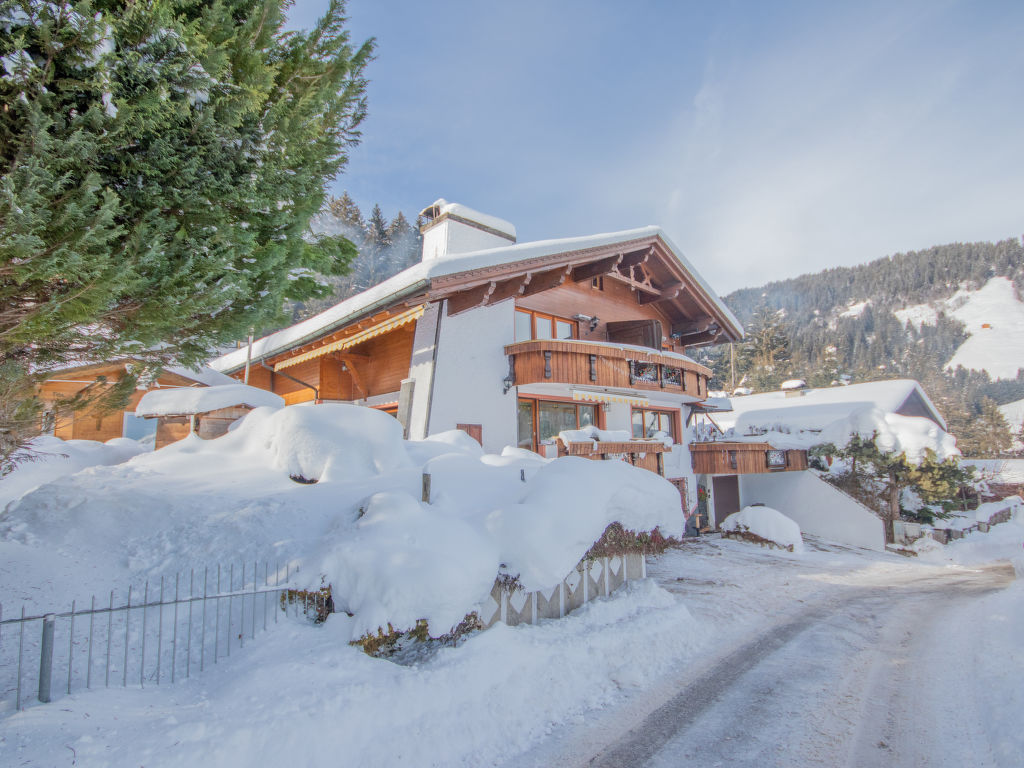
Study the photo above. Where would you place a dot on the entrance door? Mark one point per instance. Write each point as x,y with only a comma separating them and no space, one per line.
727,497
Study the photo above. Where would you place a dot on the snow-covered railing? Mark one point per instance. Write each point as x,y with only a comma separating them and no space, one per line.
157,636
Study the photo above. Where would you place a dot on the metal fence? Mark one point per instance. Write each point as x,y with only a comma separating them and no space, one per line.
159,634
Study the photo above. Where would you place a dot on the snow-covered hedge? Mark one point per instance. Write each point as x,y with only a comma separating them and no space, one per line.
765,526
390,557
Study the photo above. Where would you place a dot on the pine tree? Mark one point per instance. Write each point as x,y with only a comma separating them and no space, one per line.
886,475
161,164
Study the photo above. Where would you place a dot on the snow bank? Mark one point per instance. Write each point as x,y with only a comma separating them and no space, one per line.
591,434
189,400
768,524
362,525
56,458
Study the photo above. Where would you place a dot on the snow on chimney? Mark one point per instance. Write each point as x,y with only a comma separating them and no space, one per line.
450,229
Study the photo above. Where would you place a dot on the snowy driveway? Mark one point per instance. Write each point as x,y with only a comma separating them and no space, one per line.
916,667
729,655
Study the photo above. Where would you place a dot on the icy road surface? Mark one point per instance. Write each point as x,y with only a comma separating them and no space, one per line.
900,671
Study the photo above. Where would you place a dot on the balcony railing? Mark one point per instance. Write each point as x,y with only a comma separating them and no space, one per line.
606,365
646,454
736,458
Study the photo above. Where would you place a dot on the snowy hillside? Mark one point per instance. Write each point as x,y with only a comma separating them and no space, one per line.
994,319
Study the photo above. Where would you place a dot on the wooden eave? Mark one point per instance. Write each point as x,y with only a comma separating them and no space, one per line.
677,293
671,286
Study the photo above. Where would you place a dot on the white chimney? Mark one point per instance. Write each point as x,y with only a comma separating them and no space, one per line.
450,229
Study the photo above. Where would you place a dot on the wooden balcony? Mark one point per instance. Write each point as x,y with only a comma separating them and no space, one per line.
605,365
734,458
646,454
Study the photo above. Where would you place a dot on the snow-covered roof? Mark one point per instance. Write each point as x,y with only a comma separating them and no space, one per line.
182,401
817,408
205,375
418,277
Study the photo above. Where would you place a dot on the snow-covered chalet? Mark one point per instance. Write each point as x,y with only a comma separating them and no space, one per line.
568,346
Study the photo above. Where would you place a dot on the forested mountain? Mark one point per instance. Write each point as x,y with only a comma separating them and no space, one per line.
385,248
892,318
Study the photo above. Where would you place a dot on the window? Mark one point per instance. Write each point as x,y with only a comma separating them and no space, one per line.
536,325
646,423
540,421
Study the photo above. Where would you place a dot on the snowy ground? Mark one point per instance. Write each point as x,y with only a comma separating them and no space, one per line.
565,691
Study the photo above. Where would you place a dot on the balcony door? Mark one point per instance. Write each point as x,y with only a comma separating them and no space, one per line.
540,421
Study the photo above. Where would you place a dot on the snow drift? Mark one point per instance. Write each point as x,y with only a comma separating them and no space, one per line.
362,525
767,524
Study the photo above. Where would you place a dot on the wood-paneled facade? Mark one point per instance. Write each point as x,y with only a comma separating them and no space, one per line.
605,365
736,458
370,369
92,423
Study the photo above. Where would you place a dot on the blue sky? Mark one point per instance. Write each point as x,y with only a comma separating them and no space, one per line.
767,139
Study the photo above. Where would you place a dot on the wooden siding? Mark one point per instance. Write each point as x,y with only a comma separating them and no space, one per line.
171,429
643,454
750,458
613,304
570,364
380,365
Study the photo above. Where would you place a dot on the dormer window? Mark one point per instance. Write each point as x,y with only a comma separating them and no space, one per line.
537,325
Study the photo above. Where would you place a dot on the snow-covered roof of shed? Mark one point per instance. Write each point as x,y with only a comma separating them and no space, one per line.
185,401
816,408
440,207
205,375
418,277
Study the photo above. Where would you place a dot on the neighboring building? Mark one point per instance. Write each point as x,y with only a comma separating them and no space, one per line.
207,412
96,424
756,452
516,343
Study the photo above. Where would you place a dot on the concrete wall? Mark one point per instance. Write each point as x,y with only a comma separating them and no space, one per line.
470,366
817,507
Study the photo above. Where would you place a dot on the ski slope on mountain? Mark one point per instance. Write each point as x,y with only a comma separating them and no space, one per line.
994,319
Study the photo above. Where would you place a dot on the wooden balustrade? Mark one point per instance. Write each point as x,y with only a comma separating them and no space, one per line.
735,458
606,365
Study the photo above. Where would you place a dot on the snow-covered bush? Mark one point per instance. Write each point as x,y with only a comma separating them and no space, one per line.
390,558
765,526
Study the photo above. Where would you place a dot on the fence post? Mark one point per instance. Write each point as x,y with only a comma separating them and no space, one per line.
426,488
46,658
71,644
21,648
92,615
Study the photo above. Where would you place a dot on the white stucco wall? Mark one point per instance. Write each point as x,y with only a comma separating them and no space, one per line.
471,364
450,237
817,507
421,369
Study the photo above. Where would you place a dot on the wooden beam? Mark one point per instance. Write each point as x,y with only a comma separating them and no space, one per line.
669,291
353,356
636,257
356,378
545,281
691,327
695,339
508,289
470,299
596,268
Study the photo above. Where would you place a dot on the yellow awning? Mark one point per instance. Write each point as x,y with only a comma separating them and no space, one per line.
609,397
350,341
